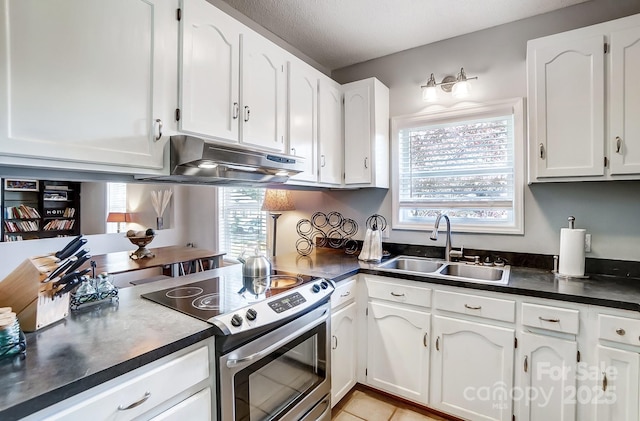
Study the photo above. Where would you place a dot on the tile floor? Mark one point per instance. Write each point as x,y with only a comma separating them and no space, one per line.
361,405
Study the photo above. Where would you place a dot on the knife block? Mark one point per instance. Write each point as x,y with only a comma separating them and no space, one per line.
31,299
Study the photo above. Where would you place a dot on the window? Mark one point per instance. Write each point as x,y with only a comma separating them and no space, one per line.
466,163
116,202
242,223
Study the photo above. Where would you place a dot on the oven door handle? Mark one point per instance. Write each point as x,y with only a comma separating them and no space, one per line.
232,363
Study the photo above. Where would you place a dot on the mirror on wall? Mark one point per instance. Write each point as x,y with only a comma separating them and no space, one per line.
35,209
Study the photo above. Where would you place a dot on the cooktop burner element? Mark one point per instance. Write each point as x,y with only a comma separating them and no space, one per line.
235,305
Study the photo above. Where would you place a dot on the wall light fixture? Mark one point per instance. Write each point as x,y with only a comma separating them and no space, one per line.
458,86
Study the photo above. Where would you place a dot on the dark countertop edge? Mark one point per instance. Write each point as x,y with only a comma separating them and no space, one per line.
509,289
33,405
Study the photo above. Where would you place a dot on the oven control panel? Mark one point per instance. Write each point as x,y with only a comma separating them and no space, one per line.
285,304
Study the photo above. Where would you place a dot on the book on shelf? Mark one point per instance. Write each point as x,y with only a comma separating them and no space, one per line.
21,212
65,213
59,224
13,237
21,226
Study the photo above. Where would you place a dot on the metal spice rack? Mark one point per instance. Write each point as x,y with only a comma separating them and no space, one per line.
90,291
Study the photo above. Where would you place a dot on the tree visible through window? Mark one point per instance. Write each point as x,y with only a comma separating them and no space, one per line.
464,164
242,224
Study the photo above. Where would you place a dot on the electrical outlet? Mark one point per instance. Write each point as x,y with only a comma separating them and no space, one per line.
385,233
587,243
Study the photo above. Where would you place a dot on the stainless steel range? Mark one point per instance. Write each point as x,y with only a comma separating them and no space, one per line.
272,344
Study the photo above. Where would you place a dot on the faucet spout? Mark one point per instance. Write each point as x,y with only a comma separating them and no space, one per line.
434,235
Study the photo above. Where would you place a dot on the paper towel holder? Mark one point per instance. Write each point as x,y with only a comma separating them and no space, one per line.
556,271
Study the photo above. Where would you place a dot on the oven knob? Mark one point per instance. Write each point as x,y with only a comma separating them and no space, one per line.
236,320
324,284
251,314
316,288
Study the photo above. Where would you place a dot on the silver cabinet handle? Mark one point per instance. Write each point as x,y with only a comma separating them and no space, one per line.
397,295
366,162
620,331
618,144
425,339
541,151
247,113
336,341
293,151
604,381
472,307
346,294
526,363
159,123
236,110
438,343
142,400
322,161
549,320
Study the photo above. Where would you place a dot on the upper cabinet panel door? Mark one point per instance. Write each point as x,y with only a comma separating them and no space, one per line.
264,93
624,127
330,132
303,112
88,80
566,113
357,135
210,71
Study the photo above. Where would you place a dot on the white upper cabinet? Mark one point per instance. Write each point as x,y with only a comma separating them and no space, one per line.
303,117
232,80
624,124
330,132
569,106
210,71
366,133
88,81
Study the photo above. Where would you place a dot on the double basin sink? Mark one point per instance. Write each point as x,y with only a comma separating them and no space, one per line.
440,269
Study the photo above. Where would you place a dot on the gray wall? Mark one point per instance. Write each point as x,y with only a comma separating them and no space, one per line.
609,211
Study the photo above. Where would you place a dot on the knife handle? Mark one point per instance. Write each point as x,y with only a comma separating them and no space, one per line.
68,246
74,248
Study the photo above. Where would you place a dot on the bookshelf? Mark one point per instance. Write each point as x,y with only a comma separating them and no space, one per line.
33,209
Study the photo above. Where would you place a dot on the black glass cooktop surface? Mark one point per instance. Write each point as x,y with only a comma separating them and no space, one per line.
223,294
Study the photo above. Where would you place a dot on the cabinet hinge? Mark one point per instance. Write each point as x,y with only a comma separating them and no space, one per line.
513,418
606,162
366,311
366,372
515,342
578,356
606,48
179,14
177,114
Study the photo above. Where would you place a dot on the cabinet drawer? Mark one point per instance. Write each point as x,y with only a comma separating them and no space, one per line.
474,305
619,329
551,318
143,392
399,292
344,293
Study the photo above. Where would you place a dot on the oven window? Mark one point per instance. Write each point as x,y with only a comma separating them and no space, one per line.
269,387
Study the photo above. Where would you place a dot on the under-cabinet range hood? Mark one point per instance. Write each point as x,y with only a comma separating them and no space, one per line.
198,161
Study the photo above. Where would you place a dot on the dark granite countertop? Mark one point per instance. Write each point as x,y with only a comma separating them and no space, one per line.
102,341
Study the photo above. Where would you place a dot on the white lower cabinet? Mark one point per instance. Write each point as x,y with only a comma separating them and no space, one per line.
549,383
472,369
617,388
343,352
194,408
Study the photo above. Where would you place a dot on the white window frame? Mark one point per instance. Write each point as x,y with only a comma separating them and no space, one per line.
462,113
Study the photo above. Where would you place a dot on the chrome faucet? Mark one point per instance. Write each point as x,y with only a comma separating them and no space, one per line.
448,253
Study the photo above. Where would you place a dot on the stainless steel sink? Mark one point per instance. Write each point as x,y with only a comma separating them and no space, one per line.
441,269
411,264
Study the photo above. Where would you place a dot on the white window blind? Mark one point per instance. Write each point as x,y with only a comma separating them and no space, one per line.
116,202
462,165
242,224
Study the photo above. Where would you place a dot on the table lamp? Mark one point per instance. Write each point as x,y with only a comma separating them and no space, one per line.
276,201
119,217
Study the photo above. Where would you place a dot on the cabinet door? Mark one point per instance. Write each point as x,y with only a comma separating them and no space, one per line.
210,71
398,350
88,80
303,115
357,134
195,408
549,366
624,127
472,372
617,387
330,132
343,352
263,105
566,113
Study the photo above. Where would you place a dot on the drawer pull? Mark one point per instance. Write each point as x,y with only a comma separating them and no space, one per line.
346,294
549,320
620,331
397,295
336,342
425,339
146,396
604,382
438,343
472,307
159,122
526,363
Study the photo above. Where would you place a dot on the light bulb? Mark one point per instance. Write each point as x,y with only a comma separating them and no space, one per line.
429,94
461,89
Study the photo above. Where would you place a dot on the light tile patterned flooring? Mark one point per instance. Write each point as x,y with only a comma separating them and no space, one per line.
361,405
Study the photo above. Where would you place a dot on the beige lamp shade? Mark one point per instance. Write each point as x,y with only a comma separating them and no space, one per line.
277,200
119,217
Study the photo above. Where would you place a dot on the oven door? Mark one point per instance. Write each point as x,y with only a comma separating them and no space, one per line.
282,375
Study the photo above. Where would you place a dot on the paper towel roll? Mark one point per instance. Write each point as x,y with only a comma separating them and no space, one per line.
571,252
